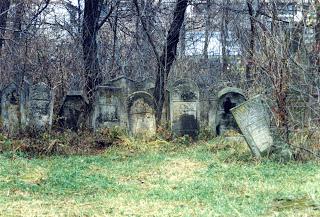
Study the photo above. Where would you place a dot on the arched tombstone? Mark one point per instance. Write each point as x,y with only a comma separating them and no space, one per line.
72,113
141,114
184,108
14,107
41,107
227,99
109,108
148,85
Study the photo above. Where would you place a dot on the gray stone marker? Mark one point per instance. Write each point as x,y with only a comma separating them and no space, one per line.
109,108
184,108
73,111
254,121
141,114
127,84
148,85
14,105
41,107
227,98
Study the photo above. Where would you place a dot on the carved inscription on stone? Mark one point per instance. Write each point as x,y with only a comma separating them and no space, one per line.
253,120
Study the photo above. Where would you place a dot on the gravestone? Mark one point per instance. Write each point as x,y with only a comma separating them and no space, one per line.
184,108
14,105
72,114
227,98
141,114
109,108
128,85
148,85
41,107
253,119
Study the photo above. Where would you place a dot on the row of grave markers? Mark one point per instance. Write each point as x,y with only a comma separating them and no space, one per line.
122,102
126,103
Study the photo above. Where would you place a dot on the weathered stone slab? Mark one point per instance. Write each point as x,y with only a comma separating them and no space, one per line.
254,121
148,85
41,107
109,108
184,108
127,84
14,105
141,114
227,98
72,114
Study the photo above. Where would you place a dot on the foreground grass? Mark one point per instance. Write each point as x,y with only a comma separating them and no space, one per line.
207,179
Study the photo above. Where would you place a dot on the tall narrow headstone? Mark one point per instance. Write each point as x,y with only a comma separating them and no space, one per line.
141,114
41,107
184,108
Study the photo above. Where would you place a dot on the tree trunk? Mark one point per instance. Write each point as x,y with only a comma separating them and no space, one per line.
168,56
250,59
4,7
317,36
224,37
90,29
16,43
207,29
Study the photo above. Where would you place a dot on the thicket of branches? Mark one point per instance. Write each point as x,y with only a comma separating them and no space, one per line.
81,44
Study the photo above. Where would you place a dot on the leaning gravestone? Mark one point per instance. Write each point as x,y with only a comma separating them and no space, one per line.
184,108
73,111
109,108
227,98
14,105
141,114
41,107
253,119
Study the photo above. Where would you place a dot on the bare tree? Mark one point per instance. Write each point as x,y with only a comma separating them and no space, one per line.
168,56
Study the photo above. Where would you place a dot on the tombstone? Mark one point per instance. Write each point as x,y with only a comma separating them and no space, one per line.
141,114
41,107
73,111
127,84
109,108
148,85
227,98
184,108
253,119
14,105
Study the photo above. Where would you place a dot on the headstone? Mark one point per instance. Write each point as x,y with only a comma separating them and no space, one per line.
41,107
148,85
109,108
184,108
141,114
127,84
227,98
253,119
14,105
73,111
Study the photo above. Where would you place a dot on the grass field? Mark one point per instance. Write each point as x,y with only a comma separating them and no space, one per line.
217,178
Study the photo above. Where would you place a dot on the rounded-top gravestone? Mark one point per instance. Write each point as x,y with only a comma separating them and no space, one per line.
227,98
141,114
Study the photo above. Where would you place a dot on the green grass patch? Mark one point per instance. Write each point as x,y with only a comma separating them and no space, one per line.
216,178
